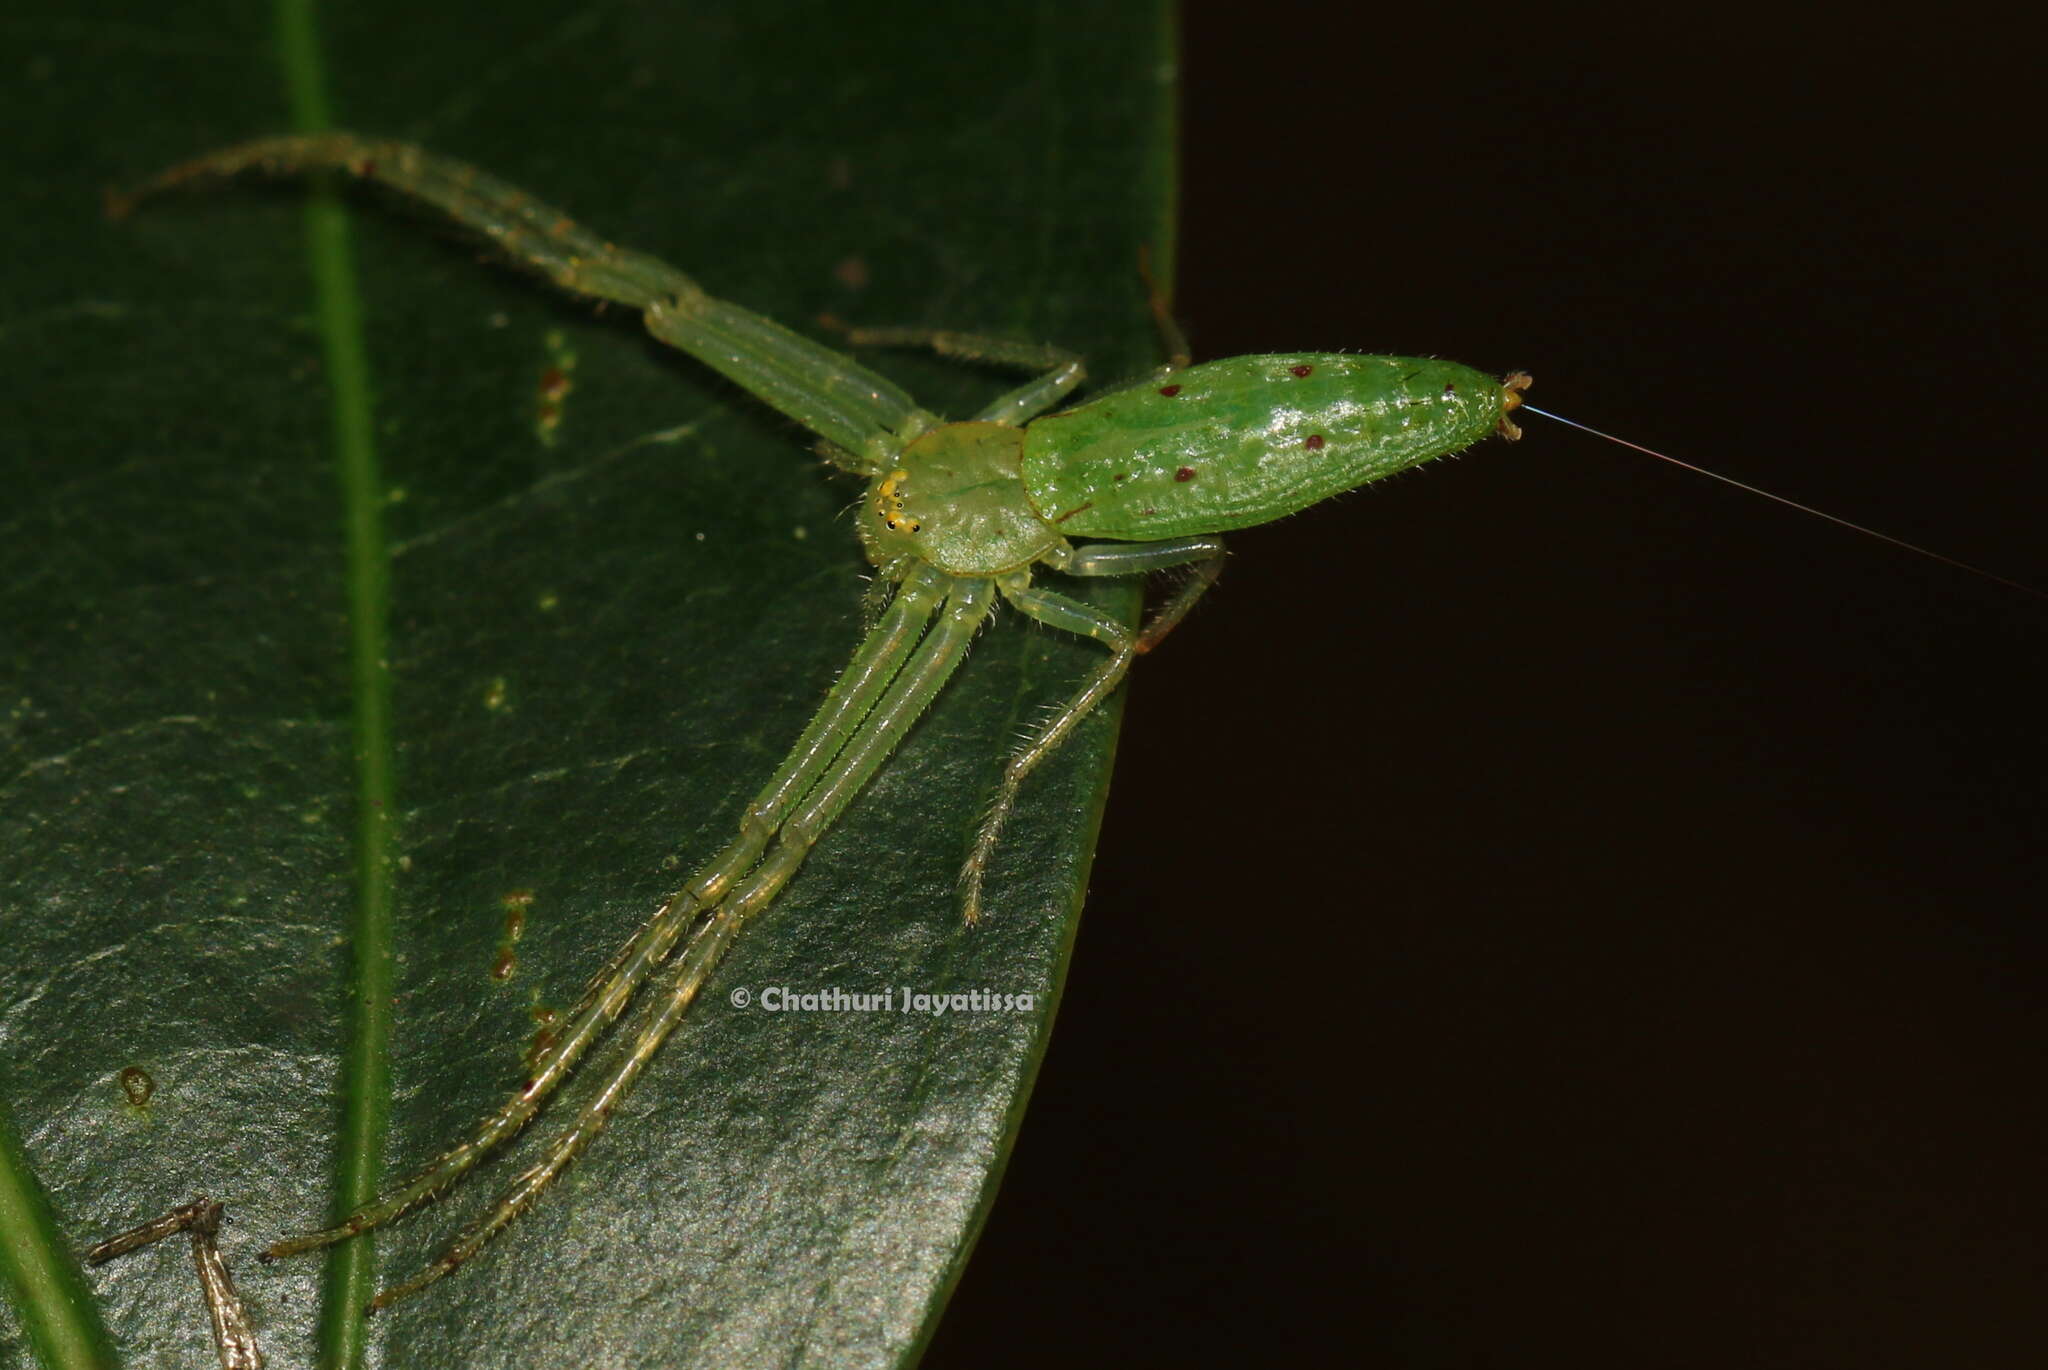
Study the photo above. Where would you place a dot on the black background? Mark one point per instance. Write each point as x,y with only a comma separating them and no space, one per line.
1553,909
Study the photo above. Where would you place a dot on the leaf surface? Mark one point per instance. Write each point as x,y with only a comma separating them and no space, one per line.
599,641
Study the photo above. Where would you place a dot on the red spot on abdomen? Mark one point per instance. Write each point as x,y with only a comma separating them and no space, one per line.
1301,370
1314,442
1185,473
1169,390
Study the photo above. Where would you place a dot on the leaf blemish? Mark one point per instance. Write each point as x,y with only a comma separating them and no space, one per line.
137,1085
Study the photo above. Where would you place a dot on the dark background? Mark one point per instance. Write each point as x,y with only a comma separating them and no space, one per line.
1553,909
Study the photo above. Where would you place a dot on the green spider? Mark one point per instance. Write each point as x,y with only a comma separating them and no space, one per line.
955,517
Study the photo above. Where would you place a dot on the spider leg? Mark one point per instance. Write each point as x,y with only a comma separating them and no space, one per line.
1059,370
967,605
864,415
878,660
1059,611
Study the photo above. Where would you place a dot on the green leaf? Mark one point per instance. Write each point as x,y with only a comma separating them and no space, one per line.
598,640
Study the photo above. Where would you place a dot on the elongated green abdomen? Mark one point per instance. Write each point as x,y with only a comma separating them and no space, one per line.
1232,443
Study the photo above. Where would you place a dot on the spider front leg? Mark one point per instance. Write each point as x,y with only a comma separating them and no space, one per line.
967,605
875,665
852,408
533,233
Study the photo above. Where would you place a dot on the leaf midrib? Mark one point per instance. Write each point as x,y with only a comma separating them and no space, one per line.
349,1279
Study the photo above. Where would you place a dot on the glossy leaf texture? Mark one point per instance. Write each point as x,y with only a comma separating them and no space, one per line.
601,637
